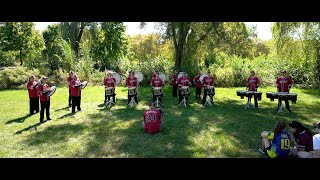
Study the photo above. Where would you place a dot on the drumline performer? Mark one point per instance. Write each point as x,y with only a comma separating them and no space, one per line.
156,82
198,84
174,79
152,120
75,93
207,81
183,81
284,84
109,81
132,81
43,89
69,79
33,95
252,85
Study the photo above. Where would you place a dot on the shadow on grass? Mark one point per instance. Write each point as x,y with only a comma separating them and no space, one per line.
65,108
315,93
29,128
67,115
19,120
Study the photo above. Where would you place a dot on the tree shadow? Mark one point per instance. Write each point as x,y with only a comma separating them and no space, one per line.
19,120
312,92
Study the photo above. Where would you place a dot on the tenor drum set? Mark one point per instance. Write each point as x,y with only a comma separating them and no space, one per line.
249,95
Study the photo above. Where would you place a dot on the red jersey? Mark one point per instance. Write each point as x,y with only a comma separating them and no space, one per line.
32,91
156,82
132,81
109,81
40,88
75,91
252,83
305,140
184,81
208,80
152,120
174,79
283,84
69,79
197,80
153,76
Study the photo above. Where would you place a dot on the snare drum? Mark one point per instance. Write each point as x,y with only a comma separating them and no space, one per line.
241,93
157,91
110,91
185,90
210,90
132,90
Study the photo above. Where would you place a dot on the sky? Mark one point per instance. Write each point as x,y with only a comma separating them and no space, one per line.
263,28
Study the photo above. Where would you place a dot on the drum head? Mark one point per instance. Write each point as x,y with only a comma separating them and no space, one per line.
202,76
117,77
84,84
53,90
162,77
138,75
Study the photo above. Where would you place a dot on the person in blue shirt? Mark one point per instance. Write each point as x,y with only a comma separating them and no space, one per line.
276,143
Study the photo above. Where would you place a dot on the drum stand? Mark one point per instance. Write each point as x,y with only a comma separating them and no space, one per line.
157,103
184,102
132,102
280,107
249,104
110,102
208,100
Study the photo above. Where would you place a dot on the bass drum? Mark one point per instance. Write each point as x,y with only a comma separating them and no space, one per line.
162,77
202,76
138,75
117,77
52,91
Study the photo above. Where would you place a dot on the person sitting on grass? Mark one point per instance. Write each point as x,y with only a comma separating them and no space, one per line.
303,145
316,141
152,122
276,143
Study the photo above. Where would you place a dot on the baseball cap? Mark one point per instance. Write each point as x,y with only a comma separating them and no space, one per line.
316,125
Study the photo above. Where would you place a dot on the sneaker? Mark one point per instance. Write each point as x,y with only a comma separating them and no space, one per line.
261,150
48,119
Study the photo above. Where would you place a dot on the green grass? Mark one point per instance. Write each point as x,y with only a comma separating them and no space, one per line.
225,130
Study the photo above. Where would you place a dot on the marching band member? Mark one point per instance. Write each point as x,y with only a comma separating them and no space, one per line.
42,89
283,85
153,75
252,85
132,81
156,82
183,81
75,93
152,120
69,79
109,81
174,79
197,82
207,81
33,95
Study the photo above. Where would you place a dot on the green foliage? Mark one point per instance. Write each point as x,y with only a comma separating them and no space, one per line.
7,58
84,65
15,77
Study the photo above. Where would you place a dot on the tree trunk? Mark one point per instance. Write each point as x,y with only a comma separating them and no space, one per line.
77,45
318,65
20,56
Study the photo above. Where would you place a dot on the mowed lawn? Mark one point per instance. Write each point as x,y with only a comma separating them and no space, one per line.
226,130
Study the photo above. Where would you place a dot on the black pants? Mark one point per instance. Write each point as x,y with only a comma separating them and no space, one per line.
255,101
135,98
34,105
174,90
70,102
76,101
198,92
107,97
286,102
155,97
181,96
45,105
205,97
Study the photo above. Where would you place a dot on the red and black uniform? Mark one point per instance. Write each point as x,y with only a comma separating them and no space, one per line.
198,86
152,121
132,81
283,84
183,81
252,85
76,95
157,82
33,97
109,82
174,79
69,79
305,140
207,81
44,101
153,76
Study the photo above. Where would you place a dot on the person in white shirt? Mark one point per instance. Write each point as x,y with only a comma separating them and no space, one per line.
316,140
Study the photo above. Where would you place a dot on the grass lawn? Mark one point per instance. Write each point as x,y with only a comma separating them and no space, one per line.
226,130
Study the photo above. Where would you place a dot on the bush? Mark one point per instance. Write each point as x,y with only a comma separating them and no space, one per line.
7,59
15,77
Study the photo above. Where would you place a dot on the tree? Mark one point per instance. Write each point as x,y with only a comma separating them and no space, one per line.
21,37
